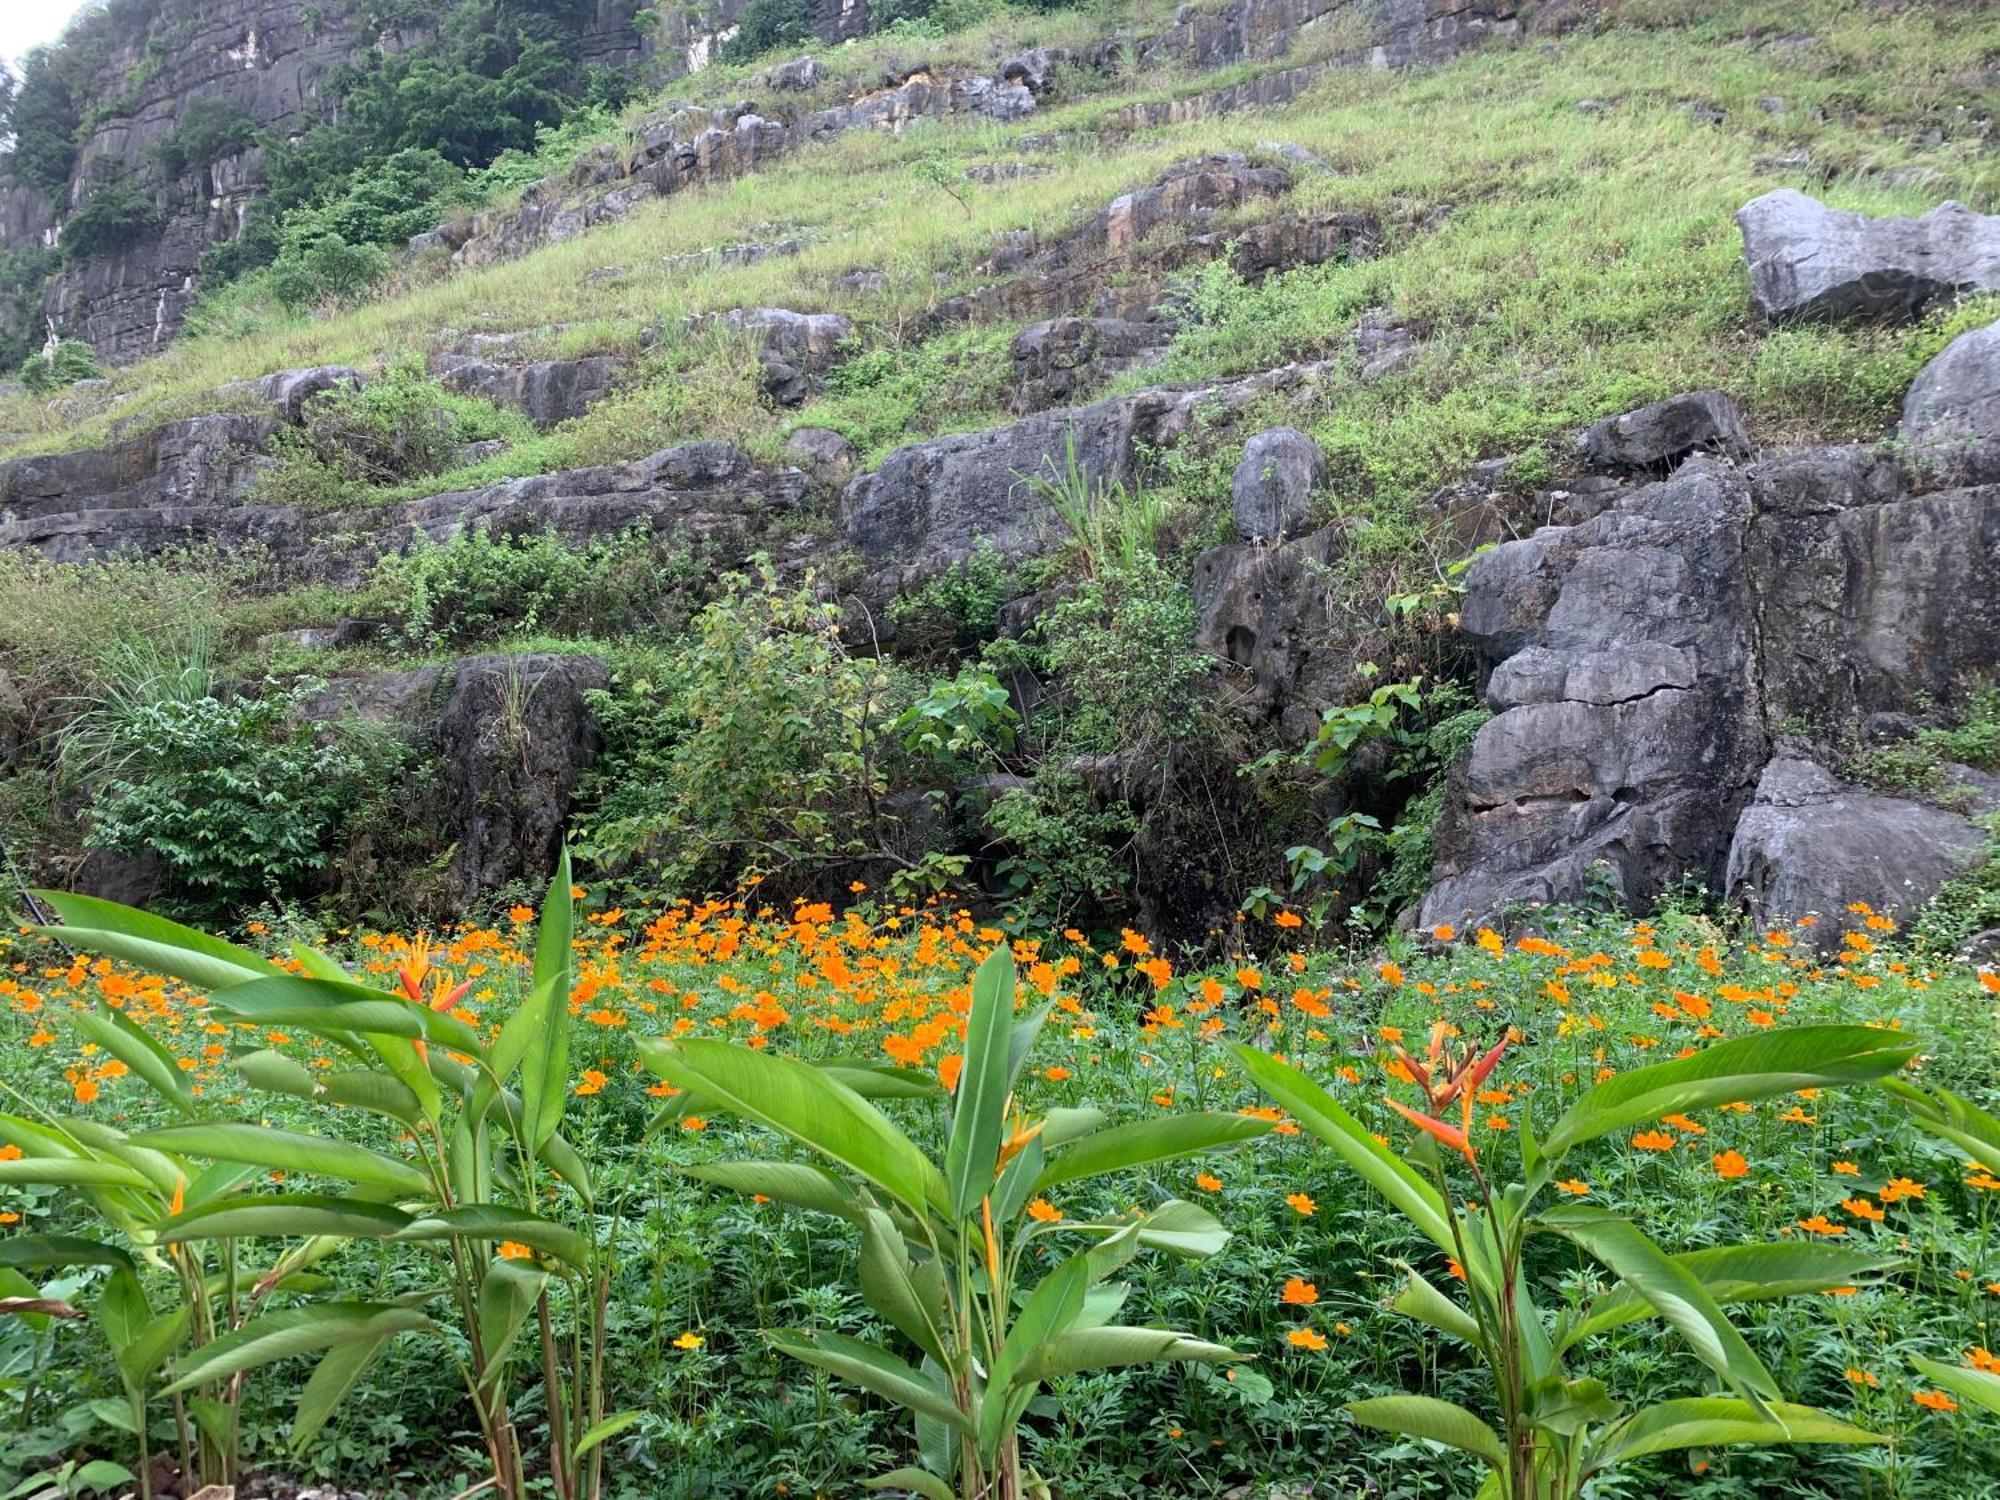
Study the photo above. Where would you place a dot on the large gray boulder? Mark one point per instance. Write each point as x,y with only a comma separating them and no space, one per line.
1642,660
1810,845
1810,261
547,392
1271,492
1659,436
1951,415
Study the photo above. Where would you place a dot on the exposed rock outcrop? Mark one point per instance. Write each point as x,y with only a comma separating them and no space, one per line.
1659,436
1951,415
1271,493
1645,662
547,392
1810,261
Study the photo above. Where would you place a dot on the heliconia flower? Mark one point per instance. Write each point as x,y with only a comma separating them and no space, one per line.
180,1196
1451,1135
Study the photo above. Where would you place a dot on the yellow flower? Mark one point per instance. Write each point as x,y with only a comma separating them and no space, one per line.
689,1341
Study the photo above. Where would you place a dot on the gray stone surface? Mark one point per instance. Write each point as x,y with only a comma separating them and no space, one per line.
1658,436
1271,493
1810,261
1951,415
1810,845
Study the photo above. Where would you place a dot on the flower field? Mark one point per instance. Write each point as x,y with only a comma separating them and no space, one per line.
693,1276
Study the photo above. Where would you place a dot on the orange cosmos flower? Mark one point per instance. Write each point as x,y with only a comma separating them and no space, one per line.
1305,1338
1301,1204
1299,1293
1654,1140
1044,1212
1896,1189
1820,1225
1861,1208
1934,1400
1207,1183
1729,1164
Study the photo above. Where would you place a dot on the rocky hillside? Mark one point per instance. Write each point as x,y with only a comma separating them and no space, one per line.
1401,461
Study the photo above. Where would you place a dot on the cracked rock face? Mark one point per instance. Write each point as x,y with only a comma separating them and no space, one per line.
1951,415
1810,261
1645,661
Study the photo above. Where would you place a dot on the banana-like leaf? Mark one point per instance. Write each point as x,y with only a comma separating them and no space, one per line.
795,1184
1115,1347
1981,1387
883,1082
874,1370
1955,1118
979,1110
1427,1417
207,962
545,1064
285,1215
889,1285
293,1331
117,1034
600,1433
378,1093
339,1370
1379,1167
1744,1273
1184,1230
69,1171
1423,1302
485,1221
47,1251
798,1101
337,1007
289,1151
1141,1143
1749,1068
917,1481
1716,1422
507,1295
1673,1291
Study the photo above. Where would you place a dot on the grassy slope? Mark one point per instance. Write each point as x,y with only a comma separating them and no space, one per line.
1587,261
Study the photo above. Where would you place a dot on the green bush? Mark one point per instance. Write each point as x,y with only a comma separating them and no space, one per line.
70,361
208,130
401,427
766,24
761,750
479,586
117,214
1123,648
237,797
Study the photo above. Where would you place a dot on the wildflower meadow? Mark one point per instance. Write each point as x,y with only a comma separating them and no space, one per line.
690,1202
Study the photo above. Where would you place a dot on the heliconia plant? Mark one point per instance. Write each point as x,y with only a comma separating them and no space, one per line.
1481,1201
1976,1132
480,1173
960,1253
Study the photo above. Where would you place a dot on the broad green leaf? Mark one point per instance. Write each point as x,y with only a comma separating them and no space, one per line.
1111,1348
601,1433
70,1171
979,1108
285,1215
289,1151
874,1370
1427,1417
1981,1387
1716,1422
1955,1118
1681,1301
1426,1304
485,1221
1745,1273
1752,1067
116,1033
1061,1126
507,1295
545,1063
101,1474
884,1082
916,1481
378,1093
140,1359
108,917
794,1184
1184,1230
46,1251
798,1101
1318,1112
888,1286
336,1374
1143,1142
290,1332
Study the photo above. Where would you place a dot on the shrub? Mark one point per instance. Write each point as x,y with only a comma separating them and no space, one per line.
766,24
59,368
1123,648
480,585
208,130
401,427
777,749
238,797
116,214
